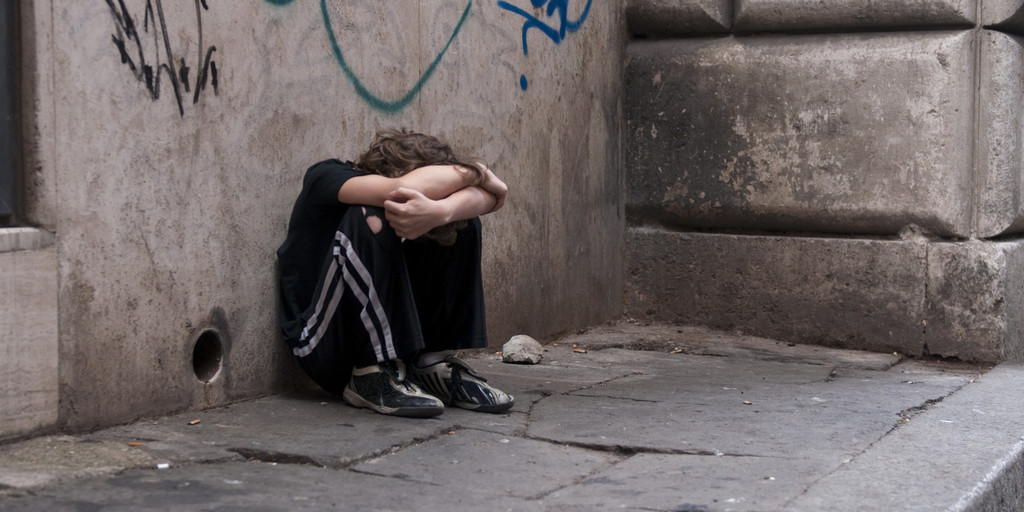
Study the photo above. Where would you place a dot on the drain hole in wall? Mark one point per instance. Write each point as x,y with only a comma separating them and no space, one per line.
207,356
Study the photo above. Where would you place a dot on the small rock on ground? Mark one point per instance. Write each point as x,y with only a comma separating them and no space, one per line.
522,349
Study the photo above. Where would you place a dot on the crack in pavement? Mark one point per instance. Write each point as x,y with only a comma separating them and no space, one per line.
345,463
903,418
276,457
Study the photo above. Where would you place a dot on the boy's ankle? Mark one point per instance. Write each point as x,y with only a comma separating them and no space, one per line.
426,359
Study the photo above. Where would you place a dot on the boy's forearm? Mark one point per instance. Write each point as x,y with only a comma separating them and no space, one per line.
435,182
468,202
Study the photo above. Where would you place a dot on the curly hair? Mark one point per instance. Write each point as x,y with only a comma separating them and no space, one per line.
395,153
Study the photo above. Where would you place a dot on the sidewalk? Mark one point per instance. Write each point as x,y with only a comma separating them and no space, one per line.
696,421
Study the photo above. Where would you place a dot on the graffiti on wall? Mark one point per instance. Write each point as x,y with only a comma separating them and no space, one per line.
556,9
151,57
556,27
371,98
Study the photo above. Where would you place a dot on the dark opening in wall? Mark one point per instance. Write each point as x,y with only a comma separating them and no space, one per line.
207,355
9,150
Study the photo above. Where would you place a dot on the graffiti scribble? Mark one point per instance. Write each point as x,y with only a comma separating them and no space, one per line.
555,34
374,100
129,43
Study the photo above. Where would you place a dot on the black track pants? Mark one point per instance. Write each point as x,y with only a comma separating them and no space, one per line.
380,299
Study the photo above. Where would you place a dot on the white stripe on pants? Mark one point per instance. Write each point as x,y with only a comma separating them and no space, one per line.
362,289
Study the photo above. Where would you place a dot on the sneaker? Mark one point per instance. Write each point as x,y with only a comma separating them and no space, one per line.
454,382
384,388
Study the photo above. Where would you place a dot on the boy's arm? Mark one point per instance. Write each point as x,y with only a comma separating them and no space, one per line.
412,214
434,182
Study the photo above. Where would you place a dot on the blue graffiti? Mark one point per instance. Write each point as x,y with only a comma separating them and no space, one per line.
555,34
375,101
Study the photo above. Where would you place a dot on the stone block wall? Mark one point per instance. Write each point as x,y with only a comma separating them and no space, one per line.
806,140
165,142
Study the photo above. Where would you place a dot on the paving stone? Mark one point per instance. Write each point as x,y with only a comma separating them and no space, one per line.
972,442
669,338
260,487
510,466
610,429
694,482
51,459
314,428
756,409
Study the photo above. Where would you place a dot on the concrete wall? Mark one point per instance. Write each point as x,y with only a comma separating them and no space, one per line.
883,138
28,330
169,191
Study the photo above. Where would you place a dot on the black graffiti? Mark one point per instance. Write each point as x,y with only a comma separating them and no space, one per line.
130,45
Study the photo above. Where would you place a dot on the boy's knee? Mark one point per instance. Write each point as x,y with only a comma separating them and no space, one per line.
375,222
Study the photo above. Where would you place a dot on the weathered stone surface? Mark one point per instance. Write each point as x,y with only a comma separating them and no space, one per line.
811,412
829,133
636,430
879,475
675,338
668,18
976,300
36,72
28,341
522,349
472,459
1000,138
838,292
224,433
172,201
961,300
47,460
691,482
1004,15
24,239
802,15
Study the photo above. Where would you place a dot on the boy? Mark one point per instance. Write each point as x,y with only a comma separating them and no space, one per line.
363,290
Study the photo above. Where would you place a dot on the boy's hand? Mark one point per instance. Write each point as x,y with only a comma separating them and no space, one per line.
412,214
495,187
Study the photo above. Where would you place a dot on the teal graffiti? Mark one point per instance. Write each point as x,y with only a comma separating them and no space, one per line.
555,34
375,101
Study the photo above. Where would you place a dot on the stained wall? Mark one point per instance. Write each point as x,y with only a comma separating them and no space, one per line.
166,141
844,173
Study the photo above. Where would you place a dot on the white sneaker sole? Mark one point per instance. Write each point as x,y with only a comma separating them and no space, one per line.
355,400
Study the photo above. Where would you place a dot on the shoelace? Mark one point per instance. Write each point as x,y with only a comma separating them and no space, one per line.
458,368
396,370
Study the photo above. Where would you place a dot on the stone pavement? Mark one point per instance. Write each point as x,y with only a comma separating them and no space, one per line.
696,420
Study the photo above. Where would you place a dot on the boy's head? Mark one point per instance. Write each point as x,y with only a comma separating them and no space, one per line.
395,153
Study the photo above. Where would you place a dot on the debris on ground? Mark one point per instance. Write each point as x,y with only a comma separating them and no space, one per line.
522,349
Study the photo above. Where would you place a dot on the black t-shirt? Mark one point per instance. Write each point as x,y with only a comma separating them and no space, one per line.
311,232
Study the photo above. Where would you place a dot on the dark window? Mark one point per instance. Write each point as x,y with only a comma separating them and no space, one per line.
9,150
